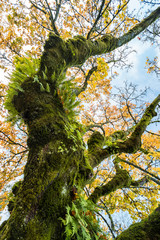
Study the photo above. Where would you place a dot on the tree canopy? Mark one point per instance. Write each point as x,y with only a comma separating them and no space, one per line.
82,153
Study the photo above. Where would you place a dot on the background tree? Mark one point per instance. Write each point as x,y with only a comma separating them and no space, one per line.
57,98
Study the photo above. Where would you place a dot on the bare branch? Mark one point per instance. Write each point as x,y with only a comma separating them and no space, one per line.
143,170
58,6
37,7
87,77
97,19
156,134
114,16
10,141
109,215
51,16
110,228
47,28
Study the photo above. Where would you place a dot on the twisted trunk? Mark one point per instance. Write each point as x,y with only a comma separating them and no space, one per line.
55,164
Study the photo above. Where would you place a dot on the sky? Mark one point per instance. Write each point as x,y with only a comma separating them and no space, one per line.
138,73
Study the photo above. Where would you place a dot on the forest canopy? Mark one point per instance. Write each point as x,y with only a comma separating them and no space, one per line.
82,154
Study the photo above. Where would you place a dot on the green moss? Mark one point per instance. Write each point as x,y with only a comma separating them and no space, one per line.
48,179
13,194
96,140
16,187
56,158
53,57
147,229
120,180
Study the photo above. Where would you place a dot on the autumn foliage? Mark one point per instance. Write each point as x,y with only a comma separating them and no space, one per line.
24,28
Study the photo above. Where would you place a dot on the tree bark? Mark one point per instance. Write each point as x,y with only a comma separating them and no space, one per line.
55,164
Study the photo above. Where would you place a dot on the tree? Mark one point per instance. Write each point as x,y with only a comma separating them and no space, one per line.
43,94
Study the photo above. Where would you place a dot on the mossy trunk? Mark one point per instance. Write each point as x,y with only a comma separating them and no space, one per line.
56,163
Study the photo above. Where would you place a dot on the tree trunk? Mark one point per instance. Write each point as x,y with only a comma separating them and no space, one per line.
56,163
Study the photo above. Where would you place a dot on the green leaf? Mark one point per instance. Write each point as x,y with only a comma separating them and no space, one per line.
47,88
35,79
44,76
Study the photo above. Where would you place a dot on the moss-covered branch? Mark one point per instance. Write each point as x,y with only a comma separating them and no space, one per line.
147,229
99,149
120,180
58,54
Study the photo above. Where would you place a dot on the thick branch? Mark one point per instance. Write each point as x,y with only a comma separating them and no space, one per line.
148,228
96,144
74,52
139,28
108,43
120,180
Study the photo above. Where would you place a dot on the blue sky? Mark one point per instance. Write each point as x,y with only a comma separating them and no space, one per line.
138,73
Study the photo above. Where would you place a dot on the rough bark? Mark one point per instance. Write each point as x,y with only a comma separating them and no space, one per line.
55,164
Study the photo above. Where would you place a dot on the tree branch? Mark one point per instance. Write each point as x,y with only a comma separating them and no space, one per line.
96,144
110,228
51,16
108,213
146,229
139,28
40,9
76,51
83,88
140,182
97,19
120,180
143,170
113,17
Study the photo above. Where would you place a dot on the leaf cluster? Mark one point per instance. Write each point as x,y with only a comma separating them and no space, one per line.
80,222
67,93
25,67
